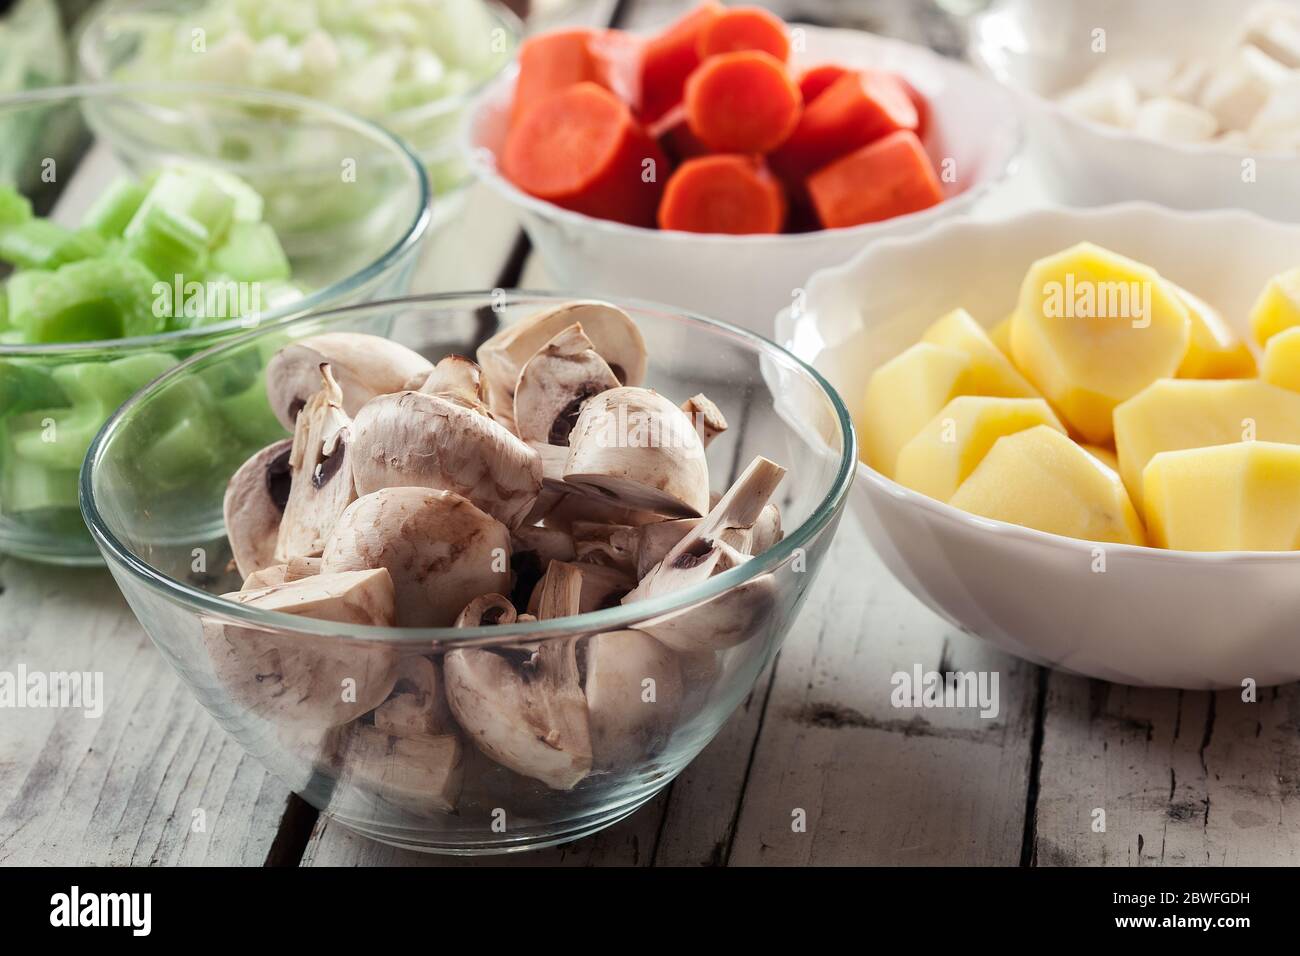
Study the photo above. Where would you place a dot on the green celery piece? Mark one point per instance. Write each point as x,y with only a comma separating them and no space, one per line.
42,244
4,310
190,448
189,193
251,252
13,337
15,208
113,210
170,243
91,300
26,487
25,386
248,415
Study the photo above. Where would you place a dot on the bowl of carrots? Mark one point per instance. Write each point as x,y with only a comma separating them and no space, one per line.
718,162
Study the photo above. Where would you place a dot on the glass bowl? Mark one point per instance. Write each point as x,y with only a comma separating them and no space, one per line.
349,203
123,39
161,534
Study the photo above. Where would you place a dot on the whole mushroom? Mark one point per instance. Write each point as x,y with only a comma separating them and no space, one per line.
254,505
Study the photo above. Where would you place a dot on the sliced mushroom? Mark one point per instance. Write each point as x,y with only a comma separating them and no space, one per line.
418,703
418,773
611,545
440,550
612,332
602,587
415,439
638,450
656,540
634,692
456,379
301,567
532,549
265,577
767,529
570,504
364,365
254,504
318,682
706,417
529,716
554,383
487,610
321,485
700,670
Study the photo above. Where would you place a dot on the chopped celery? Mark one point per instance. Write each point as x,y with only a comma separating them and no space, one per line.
84,301
14,206
170,243
25,386
42,244
248,415
31,487
251,251
186,195
113,210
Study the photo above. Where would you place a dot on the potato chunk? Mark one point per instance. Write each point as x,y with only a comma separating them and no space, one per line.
1000,335
1094,328
991,372
1282,360
904,394
1213,351
1039,478
1278,306
1174,414
1242,497
954,442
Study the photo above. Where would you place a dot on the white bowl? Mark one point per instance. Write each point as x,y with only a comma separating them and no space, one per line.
1153,617
1040,50
746,279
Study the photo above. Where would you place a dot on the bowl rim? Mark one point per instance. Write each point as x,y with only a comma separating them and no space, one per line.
95,21
410,239
1120,137
611,619
486,169
1005,530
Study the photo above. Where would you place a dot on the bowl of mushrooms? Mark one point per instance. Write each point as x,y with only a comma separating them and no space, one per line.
478,600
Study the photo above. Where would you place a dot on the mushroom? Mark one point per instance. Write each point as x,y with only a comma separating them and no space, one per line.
418,703
321,483
532,549
254,504
700,670
656,540
418,439
767,529
610,545
554,383
602,588
706,417
528,715
487,610
634,690
364,365
319,682
418,773
638,449
440,550
265,577
456,379
613,335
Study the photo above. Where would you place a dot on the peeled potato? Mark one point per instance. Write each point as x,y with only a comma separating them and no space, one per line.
991,372
950,446
1094,328
904,394
1282,359
1000,334
1278,306
1103,455
1241,497
1039,478
1213,351
1174,414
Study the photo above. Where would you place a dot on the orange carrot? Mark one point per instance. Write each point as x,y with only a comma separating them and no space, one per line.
547,64
853,111
617,58
745,28
674,134
815,81
582,149
742,103
728,194
890,177
918,101
668,59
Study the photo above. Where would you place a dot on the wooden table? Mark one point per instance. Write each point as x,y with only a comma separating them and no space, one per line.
1182,778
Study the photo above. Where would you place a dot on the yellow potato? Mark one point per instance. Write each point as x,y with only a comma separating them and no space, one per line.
1093,329
904,394
1000,334
955,441
1213,350
1282,359
1103,455
1039,478
1278,306
991,372
1242,497
1191,413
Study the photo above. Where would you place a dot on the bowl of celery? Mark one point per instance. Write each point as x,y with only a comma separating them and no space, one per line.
141,225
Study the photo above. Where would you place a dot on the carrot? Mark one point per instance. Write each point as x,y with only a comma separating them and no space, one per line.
674,134
728,194
742,103
815,80
853,111
918,101
668,59
581,149
745,28
890,177
617,56
547,64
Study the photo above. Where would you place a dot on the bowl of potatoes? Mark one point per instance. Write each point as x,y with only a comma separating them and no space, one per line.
1080,433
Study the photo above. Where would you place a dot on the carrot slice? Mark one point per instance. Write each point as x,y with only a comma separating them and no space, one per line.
669,58
617,57
673,133
887,178
745,28
581,149
727,194
816,80
549,63
853,111
920,102
742,103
